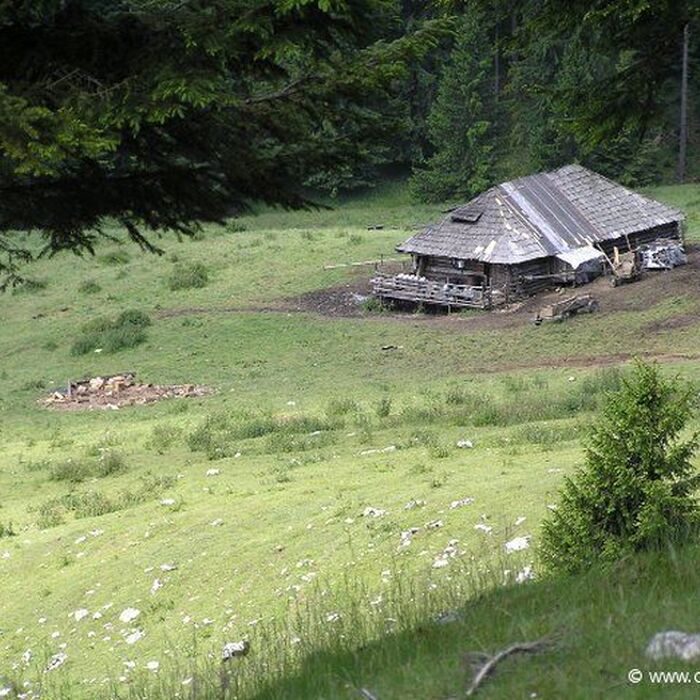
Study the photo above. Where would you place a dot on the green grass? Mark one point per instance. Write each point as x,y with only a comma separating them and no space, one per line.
304,411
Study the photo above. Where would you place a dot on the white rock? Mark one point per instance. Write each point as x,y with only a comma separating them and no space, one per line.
673,643
27,656
55,635
56,661
520,520
129,614
332,617
407,536
233,649
168,502
156,586
78,615
527,574
461,502
414,503
440,562
517,544
486,529
434,524
134,637
42,620
81,539
468,444
371,512
96,615
96,533
217,522
168,567
4,692
213,472
376,451
153,666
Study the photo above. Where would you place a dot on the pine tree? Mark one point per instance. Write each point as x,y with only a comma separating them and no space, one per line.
637,489
461,123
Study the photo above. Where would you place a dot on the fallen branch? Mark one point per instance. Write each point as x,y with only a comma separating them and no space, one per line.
490,663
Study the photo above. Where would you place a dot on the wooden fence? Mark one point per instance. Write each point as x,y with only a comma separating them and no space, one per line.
422,290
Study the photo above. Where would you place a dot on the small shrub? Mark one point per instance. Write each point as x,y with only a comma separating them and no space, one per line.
30,286
89,287
374,305
355,239
50,345
125,331
115,257
188,276
341,407
109,463
50,514
88,504
383,407
235,226
162,437
6,530
637,489
73,471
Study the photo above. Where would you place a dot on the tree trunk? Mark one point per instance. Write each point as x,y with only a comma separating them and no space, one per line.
683,136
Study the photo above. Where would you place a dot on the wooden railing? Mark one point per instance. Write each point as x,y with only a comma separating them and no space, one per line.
422,290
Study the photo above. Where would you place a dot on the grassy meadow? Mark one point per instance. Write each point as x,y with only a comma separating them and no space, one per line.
276,509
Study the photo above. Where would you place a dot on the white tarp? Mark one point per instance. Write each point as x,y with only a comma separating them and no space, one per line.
575,257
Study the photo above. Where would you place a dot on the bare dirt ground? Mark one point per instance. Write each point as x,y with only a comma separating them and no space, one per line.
346,301
653,288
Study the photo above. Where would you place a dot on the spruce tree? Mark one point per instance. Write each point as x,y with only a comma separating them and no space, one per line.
637,488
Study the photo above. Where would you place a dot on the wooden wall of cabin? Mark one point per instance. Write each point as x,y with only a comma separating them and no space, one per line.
672,230
442,269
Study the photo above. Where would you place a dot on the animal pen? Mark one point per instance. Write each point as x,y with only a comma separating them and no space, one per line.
524,236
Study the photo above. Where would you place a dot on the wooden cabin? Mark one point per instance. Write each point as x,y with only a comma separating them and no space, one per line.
524,236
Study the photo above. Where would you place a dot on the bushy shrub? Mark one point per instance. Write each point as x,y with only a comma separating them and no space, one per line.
162,437
341,407
115,257
636,490
89,287
374,305
111,335
188,276
110,462
73,471
383,407
6,530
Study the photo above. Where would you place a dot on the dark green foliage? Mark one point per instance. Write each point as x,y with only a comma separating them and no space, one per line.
460,125
188,276
74,471
160,115
6,530
112,335
383,407
163,437
637,488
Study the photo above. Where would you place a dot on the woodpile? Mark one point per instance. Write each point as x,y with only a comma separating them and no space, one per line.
115,391
563,309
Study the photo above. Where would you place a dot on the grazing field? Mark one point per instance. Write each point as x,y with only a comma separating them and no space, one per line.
279,508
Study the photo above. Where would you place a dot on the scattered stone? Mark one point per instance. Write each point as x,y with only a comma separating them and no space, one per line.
213,472
517,544
56,661
217,522
414,503
407,536
461,502
332,617
375,451
468,444
168,502
168,567
27,656
486,529
232,650
129,614
448,617
133,637
81,539
434,524
371,512
4,692
156,586
673,643
153,666
527,574
115,391
78,615
520,520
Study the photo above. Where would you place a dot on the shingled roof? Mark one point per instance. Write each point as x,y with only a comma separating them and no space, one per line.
538,216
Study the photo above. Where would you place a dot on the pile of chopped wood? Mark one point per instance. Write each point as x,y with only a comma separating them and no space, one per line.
115,391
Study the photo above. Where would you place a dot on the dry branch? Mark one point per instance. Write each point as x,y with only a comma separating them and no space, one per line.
491,662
